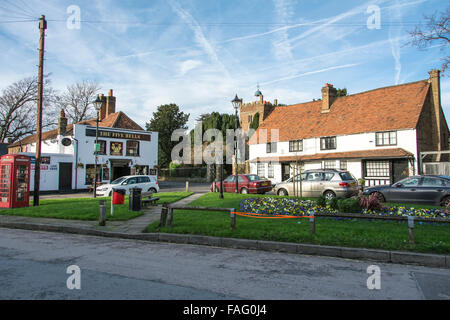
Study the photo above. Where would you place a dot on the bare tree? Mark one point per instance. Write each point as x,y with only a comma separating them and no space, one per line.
435,32
77,100
18,109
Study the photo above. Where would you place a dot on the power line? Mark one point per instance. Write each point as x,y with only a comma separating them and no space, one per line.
18,9
400,24
18,21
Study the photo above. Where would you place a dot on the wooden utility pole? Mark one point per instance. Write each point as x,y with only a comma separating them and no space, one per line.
37,165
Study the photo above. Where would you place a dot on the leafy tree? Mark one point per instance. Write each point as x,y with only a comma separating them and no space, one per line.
255,122
435,32
341,92
165,120
216,120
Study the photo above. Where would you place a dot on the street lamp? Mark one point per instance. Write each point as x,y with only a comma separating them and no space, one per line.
98,106
236,104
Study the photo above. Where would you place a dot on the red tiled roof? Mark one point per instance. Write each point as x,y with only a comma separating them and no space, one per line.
389,108
113,120
360,154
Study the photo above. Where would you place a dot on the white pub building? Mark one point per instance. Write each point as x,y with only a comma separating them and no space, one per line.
67,153
376,135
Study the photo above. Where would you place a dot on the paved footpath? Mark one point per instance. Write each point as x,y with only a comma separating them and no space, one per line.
136,225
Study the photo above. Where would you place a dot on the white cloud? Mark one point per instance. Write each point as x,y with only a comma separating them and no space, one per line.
188,65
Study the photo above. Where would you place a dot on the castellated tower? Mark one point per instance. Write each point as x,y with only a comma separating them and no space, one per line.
250,109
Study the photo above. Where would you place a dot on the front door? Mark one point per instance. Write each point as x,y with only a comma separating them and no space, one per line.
400,170
120,171
65,176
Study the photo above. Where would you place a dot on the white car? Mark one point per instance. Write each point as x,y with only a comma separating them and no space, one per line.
146,183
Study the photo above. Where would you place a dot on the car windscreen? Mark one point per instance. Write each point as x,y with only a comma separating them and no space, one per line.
253,177
346,176
118,181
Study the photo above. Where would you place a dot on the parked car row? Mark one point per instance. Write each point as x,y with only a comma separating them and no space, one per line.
332,183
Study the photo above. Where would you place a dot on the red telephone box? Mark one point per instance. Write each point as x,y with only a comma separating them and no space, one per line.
14,181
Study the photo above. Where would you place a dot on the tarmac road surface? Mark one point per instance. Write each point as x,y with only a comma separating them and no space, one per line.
33,265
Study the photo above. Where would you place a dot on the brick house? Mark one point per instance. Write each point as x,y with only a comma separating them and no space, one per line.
377,135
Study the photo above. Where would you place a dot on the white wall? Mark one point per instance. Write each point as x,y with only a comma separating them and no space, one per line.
148,156
406,139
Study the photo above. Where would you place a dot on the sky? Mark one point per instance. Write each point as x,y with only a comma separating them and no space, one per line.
200,53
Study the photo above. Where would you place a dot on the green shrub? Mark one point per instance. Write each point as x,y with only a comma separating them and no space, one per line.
350,205
334,203
321,201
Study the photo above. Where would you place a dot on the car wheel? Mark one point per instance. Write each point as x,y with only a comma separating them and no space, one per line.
153,190
380,196
244,190
445,202
329,195
282,192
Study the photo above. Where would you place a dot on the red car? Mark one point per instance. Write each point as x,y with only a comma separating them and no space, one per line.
247,183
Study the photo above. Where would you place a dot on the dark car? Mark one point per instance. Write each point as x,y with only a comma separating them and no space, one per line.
247,183
424,189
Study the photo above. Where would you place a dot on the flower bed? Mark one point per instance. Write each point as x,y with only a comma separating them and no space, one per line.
297,207
283,206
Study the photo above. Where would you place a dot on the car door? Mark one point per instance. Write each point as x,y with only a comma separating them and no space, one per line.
431,190
315,184
130,183
143,183
404,190
228,184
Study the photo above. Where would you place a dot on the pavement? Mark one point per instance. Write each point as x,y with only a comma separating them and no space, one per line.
33,265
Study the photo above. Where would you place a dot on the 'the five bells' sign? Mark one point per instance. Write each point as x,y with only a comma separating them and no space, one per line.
118,135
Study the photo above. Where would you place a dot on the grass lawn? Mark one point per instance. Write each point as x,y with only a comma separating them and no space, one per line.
388,235
85,208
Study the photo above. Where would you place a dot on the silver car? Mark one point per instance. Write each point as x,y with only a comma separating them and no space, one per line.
330,183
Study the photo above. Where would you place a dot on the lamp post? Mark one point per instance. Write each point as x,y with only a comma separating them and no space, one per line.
236,103
98,106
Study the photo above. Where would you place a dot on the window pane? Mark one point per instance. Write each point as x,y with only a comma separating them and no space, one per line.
270,170
377,168
431,182
410,182
132,148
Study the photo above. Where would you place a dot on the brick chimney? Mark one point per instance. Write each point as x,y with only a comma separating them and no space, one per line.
435,81
62,123
110,103
102,113
328,96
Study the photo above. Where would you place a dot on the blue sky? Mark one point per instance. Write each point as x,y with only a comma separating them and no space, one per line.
200,53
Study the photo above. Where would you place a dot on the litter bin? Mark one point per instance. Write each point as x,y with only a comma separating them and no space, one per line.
118,196
135,199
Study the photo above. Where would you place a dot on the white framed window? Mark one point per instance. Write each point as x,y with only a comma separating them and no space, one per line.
327,143
387,138
270,173
343,164
261,169
329,164
295,145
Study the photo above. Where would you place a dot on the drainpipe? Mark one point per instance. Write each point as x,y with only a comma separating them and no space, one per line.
76,163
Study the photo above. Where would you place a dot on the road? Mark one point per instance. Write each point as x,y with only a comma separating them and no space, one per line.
33,266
